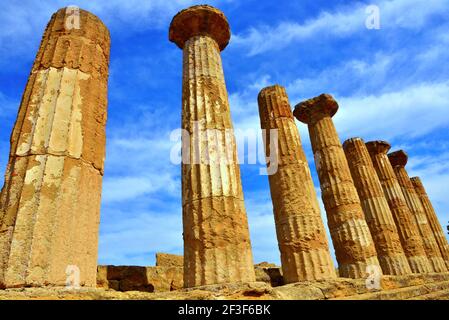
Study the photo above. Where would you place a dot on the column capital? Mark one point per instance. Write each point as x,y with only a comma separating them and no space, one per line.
378,146
417,183
79,40
398,158
311,110
351,142
271,90
200,20
273,103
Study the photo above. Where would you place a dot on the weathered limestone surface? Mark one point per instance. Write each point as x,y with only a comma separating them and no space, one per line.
398,160
300,230
50,203
354,247
167,277
408,230
217,246
415,286
169,260
134,278
377,213
269,273
432,219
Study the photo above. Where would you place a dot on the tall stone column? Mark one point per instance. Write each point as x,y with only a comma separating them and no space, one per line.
354,247
217,246
51,197
377,212
398,160
300,230
432,219
405,223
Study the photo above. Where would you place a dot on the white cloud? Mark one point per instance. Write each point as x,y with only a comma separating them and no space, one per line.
139,166
23,22
408,14
262,229
356,75
411,112
118,189
133,240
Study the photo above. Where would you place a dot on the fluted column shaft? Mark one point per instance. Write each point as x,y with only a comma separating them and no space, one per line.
51,197
217,246
405,223
300,230
375,206
354,247
432,219
413,202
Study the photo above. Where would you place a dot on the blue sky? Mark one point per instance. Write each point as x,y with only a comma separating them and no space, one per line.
391,84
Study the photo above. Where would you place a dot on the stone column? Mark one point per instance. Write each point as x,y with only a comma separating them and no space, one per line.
405,223
432,219
377,212
398,160
51,197
217,246
354,247
300,230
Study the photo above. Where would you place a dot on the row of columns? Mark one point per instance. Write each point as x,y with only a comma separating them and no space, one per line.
366,228
364,188
49,205
374,217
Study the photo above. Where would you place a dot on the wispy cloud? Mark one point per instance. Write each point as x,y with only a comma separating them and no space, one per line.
134,239
413,111
346,21
262,228
24,21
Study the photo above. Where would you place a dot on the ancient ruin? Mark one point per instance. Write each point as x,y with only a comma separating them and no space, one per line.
50,203
354,247
408,230
217,246
384,228
398,160
432,219
377,212
300,231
